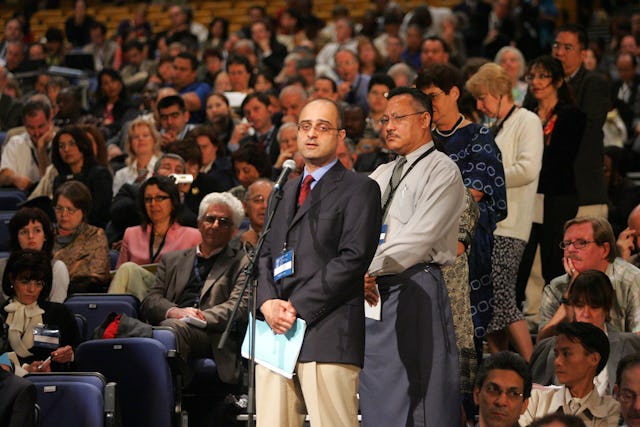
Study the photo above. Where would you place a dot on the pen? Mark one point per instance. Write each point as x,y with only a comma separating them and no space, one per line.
47,360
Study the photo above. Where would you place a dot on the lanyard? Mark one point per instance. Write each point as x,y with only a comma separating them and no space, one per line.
496,130
393,189
152,256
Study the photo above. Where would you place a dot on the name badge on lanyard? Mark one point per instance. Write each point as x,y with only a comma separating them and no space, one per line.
383,234
46,337
283,265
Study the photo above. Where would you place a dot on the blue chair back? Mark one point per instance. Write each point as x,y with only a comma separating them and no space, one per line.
5,217
141,369
96,307
10,198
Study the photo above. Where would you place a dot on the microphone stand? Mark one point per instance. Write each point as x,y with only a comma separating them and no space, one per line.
250,283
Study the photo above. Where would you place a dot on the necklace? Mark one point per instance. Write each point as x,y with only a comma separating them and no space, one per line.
452,131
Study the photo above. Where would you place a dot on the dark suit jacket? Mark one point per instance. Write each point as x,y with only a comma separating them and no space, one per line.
593,97
221,289
334,235
17,401
10,113
271,144
626,109
543,372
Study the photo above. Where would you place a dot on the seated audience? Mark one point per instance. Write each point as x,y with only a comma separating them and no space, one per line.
215,161
37,328
255,208
18,397
558,420
81,246
287,139
590,300
622,192
113,107
589,244
502,390
582,351
159,201
30,228
259,128
220,116
143,149
627,389
629,240
204,282
174,119
73,156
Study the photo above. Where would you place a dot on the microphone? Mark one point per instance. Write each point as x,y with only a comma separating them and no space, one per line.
287,167
181,178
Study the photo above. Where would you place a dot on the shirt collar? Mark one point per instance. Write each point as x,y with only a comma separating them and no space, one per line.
319,173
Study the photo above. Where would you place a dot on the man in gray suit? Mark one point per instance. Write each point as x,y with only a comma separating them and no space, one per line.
203,284
590,300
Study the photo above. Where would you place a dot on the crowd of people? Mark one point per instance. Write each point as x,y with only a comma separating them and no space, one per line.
463,169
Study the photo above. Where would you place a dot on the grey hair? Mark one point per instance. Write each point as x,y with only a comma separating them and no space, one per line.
402,68
519,56
227,199
284,126
257,182
294,89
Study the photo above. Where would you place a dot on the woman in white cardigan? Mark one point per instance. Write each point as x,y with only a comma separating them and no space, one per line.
143,148
518,134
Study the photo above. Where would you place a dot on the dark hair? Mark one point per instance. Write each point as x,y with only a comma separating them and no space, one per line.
264,72
566,419
115,75
78,194
260,96
225,27
418,96
554,67
188,149
627,362
33,265
334,86
99,25
442,76
190,57
212,52
54,35
239,59
305,63
634,61
593,288
170,101
33,106
209,132
83,143
252,154
444,44
592,338
619,160
133,44
22,218
505,360
165,184
577,30
381,79
101,146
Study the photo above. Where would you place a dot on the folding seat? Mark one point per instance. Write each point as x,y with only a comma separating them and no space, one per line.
10,199
96,307
81,399
140,366
5,217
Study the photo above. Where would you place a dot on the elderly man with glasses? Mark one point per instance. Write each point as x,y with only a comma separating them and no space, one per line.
589,244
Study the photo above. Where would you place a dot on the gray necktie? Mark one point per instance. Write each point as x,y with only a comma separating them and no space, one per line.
395,178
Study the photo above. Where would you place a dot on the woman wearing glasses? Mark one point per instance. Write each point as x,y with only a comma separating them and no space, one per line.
518,134
472,148
42,333
563,126
81,246
159,233
72,155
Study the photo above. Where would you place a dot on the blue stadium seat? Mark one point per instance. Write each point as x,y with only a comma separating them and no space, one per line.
5,217
96,307
10,198
140,367
74,399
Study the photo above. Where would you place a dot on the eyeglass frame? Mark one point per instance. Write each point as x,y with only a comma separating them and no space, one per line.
384,121
541,76
223,221
159,198
495,392
318,127
62,210
581,243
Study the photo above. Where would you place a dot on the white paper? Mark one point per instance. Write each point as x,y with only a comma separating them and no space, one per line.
373,312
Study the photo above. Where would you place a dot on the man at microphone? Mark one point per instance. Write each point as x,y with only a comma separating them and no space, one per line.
325,229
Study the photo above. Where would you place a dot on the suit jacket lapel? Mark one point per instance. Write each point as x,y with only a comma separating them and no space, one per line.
326,186
183,270
219,267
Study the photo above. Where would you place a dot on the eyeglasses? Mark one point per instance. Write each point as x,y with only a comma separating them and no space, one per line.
61,210
540,76
394,117
434,95
495,392
627,396
26,283
319,127
577,244
223,221
566,46
157,199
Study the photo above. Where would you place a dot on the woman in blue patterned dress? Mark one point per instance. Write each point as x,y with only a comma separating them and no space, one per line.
472,147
